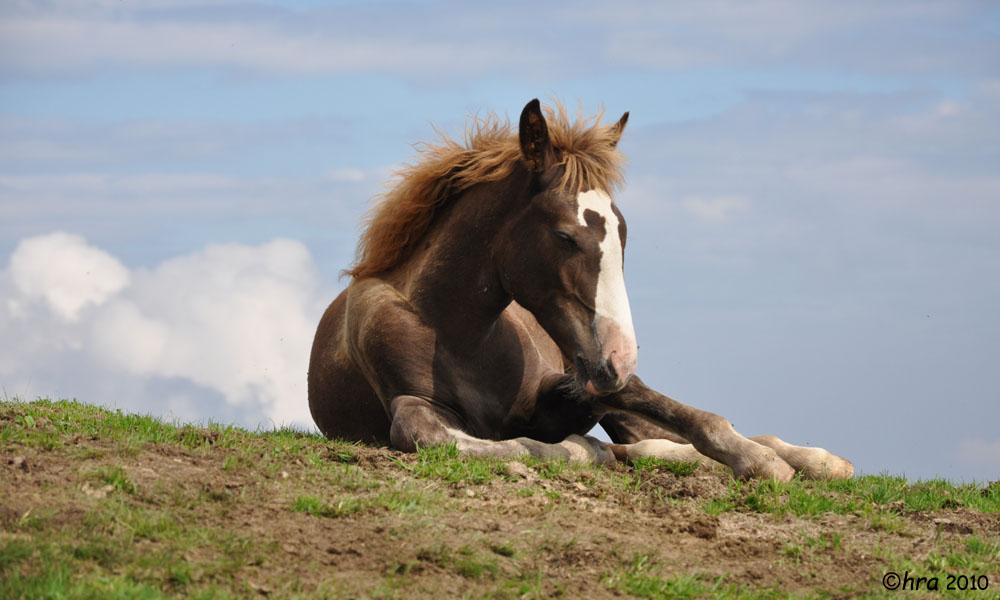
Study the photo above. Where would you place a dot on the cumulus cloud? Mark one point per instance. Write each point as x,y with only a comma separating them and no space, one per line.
65,272
233,321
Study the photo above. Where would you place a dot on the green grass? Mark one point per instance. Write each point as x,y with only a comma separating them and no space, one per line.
444,463
109,526
653,464
549,468
503,549
67,418
318,508
135,541
115,477
643,577
96,556
465,561
399,499
976,556
878,497
640,579
825,541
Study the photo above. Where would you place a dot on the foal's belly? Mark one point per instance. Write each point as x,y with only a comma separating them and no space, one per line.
556,417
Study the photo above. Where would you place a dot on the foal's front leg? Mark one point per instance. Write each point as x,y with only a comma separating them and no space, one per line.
636,437
809,462
418,422
710,434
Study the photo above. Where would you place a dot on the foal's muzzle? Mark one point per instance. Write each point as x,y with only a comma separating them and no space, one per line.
618,354
607,376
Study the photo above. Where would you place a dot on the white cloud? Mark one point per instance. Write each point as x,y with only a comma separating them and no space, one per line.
373,177
450,37
66,273
105,184
39,140
715,209
859,155
979,450
346,175
233,319
124,338
68,40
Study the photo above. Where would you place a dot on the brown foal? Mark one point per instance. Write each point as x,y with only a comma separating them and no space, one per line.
487,308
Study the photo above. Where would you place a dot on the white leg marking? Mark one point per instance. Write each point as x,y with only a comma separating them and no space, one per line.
575,448
811,463
667,450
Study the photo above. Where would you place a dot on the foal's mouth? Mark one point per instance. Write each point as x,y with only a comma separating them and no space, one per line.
597,380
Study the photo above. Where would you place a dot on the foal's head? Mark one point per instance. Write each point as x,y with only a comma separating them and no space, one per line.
563,260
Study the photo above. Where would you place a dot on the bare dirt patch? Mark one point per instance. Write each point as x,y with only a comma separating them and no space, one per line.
332,520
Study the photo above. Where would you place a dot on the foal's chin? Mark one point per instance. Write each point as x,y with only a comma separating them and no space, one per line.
593,390
586,383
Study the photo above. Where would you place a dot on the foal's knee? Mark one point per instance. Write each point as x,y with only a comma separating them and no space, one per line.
415,423
712,429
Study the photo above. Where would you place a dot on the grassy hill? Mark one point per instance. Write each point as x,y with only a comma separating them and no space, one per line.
101,504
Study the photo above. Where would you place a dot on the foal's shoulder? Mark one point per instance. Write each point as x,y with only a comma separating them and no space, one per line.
531,332
371,299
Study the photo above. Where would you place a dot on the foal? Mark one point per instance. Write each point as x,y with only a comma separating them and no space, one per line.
488,308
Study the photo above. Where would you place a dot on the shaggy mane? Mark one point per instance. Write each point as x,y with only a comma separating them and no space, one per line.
400,217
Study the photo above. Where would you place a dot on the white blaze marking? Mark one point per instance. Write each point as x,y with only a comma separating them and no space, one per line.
612,300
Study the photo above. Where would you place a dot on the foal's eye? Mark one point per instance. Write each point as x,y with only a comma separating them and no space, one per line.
567,238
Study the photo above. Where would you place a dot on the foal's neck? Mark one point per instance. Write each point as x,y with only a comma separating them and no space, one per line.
452,280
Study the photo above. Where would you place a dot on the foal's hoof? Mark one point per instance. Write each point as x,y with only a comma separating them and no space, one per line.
827,466
767,465
588,450
810,463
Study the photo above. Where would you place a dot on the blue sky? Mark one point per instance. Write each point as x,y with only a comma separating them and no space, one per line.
813,198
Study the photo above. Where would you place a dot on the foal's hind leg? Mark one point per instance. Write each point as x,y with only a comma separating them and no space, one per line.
417,422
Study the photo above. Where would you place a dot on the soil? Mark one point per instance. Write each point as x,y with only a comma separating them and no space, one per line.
567,535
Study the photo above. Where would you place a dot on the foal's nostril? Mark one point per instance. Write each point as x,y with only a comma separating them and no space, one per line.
610,366
606,375
601,376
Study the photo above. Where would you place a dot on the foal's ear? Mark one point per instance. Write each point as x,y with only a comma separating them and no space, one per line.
618,128
534,133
